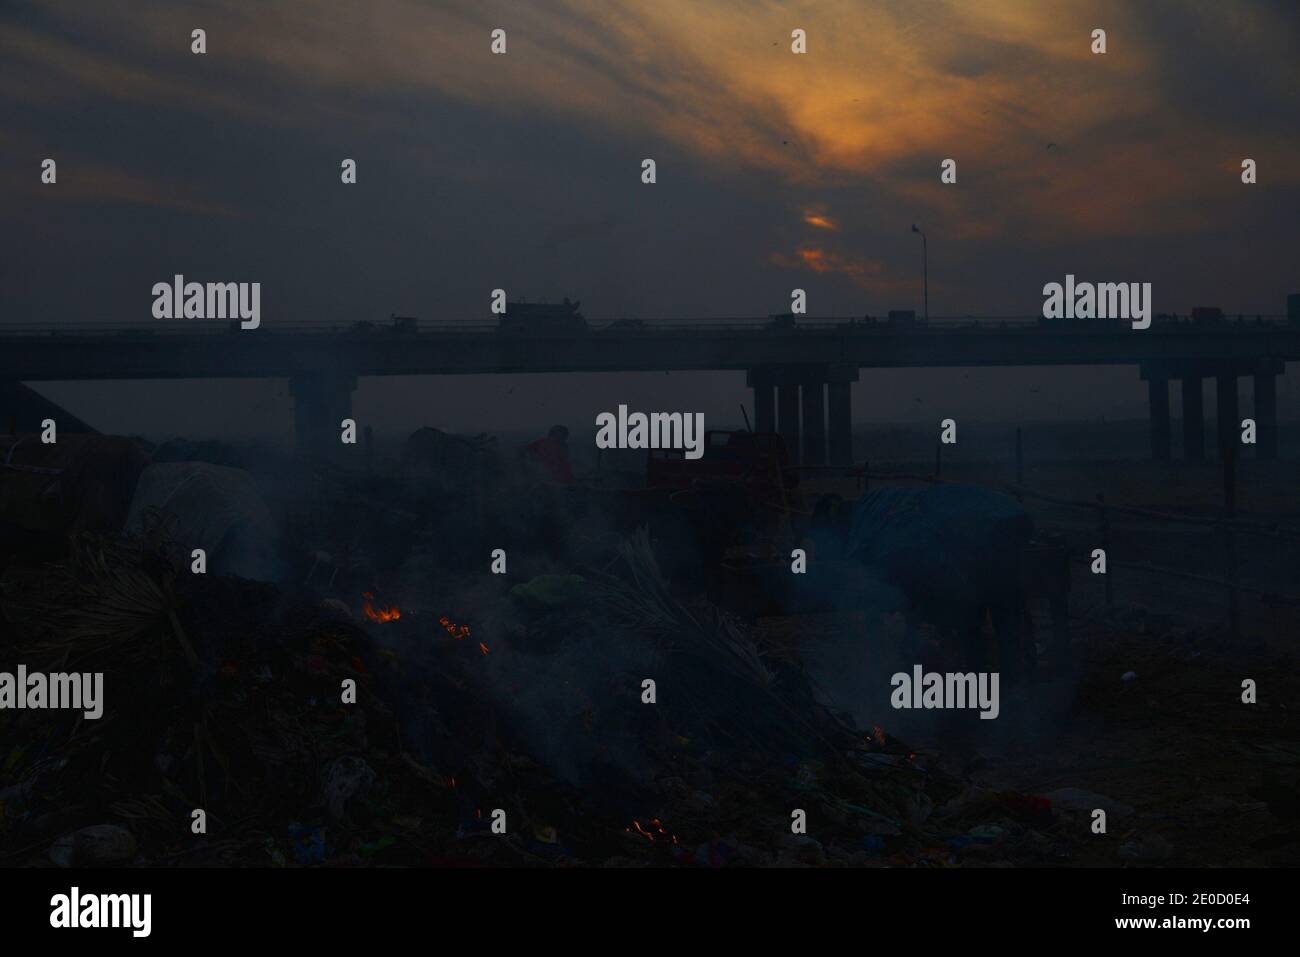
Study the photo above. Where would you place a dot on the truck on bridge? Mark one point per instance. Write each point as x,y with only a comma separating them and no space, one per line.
543,318
397,326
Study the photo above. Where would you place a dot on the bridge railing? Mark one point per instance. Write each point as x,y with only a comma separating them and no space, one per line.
618,327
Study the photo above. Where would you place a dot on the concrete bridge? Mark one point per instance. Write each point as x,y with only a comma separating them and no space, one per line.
801,376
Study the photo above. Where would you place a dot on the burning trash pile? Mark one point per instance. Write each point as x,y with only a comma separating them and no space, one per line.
596,719
224,736
632,727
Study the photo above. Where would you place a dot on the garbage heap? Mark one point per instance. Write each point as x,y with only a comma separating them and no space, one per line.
250,724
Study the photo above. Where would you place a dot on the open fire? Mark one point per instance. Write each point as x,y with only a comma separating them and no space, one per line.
456,631
380,614
652,831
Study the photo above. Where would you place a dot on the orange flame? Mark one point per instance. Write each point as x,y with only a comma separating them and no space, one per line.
379,614
456,631
650,835
642,831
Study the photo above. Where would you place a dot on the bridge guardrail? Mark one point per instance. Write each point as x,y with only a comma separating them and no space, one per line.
648,327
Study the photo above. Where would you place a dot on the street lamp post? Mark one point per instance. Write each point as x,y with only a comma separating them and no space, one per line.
925,270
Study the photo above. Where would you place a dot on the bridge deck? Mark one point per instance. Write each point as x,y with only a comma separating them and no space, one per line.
196,349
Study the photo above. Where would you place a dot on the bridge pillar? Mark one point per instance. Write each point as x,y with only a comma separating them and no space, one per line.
1226,410
791,419
839,391
1193,418
840,396
320,404
787,402
814,421
1158,394
1266,412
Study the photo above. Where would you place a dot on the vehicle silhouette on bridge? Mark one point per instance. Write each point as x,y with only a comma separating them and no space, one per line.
542,318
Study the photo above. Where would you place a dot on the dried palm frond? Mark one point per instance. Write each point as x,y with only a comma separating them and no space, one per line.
103,600
761,710
643,602
147,815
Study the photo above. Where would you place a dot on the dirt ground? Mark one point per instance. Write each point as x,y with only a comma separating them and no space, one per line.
1203,778
1206,775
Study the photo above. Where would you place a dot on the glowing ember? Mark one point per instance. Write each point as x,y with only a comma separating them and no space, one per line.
456,631
654,831
378,614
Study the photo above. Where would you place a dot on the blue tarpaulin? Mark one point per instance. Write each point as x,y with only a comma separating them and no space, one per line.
961,540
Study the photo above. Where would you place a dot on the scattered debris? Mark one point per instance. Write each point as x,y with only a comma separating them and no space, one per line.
1076,799
97,844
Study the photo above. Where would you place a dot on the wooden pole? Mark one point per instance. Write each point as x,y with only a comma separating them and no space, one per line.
1229,458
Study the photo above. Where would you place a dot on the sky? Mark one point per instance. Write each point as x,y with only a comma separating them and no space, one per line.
523,171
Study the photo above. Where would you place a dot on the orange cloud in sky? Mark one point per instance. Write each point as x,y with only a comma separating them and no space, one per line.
864,273
885,92
819,219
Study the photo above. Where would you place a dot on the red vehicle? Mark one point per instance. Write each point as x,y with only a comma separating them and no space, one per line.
755,459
